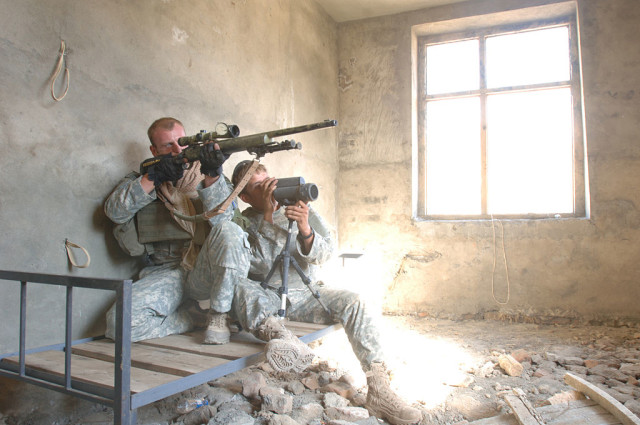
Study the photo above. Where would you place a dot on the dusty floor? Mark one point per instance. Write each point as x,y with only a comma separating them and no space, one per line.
447,368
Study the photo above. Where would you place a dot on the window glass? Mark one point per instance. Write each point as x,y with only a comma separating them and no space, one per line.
453,67
530,152
453,158
530,57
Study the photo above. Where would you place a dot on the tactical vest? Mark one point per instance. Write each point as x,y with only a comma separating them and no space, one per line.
154,223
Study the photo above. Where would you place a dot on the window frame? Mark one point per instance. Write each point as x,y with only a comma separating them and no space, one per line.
580,207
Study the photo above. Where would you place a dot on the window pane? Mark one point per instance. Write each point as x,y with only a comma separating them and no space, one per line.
453,157
530,152
528,58
453,67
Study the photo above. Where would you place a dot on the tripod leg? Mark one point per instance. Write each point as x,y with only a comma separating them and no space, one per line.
307,282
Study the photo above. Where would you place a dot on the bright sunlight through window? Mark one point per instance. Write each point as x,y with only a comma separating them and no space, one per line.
499,111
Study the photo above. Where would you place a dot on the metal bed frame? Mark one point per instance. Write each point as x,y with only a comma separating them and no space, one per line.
123,401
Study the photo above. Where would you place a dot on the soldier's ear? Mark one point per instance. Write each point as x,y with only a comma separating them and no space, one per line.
243,197
153,150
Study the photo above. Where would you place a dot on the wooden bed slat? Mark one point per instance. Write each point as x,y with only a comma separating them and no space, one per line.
151,358
92,371
189,343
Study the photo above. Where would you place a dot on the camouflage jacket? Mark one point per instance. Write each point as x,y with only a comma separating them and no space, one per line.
268,240
129,197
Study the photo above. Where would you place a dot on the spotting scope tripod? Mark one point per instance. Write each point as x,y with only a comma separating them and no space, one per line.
287,260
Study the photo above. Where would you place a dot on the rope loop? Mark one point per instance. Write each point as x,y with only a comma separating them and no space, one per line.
72,258
61,58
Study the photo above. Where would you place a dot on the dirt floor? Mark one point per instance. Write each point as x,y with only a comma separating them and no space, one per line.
449,369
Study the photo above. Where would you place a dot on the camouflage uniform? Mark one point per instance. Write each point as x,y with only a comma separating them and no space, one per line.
252,304
158,296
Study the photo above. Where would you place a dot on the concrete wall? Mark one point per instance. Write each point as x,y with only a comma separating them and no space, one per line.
259,64
556,268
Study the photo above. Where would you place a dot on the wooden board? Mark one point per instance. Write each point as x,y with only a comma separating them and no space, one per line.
521,411
613,406
189,344
151,358
91,371
154,362
577,412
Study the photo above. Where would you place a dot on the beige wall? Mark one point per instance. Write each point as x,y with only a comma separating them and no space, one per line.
259,64
568,268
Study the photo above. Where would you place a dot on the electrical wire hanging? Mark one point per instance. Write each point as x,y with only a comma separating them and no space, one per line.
506,267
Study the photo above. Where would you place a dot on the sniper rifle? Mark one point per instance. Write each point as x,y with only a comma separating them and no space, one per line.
228,138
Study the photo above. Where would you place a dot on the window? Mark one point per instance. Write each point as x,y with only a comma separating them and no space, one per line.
500,123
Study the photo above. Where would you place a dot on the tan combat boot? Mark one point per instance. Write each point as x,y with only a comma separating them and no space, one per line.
199,317
284,351
383,403
218,331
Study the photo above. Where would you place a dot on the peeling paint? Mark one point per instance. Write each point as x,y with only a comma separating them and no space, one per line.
179,36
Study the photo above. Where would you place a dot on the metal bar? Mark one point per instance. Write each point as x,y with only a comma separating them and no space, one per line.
52,347
61,280
23,324
67,338
122,364
320,333
56,383
187,382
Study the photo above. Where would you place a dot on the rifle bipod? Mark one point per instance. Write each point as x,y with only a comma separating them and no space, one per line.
287,260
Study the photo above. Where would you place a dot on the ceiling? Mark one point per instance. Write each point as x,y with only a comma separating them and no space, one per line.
351,10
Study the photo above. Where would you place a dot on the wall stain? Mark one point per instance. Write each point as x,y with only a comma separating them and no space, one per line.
344,80
375,199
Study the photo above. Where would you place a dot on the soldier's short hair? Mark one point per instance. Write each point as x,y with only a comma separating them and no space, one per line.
165,123
242,168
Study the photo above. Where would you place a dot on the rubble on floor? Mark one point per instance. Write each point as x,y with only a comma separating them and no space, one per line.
487,360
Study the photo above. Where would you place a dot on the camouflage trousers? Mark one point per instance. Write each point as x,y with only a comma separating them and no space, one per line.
253,304
158,298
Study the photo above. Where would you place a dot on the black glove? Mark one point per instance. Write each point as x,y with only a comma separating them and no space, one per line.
211,160
166,170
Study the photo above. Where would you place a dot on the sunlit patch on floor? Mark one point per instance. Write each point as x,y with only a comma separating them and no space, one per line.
425,369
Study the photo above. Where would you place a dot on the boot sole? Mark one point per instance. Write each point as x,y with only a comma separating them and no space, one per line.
285,356
216,338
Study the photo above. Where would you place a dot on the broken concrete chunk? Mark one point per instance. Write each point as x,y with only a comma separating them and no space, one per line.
282,420
565,397
311,382
332,399
251,385
510,365
277,403
521,355
340,388
351,414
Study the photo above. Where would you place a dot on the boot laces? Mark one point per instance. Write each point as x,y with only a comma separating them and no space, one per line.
218,320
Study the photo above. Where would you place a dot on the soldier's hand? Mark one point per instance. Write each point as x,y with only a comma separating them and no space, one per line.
166,170
211,160
300,214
